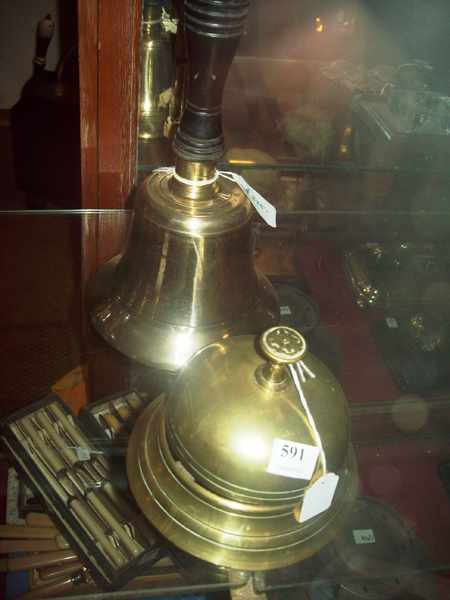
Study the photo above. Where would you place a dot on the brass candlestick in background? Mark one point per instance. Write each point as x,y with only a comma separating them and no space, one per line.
187,277
157,71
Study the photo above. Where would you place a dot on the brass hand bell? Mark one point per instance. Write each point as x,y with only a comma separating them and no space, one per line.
187,277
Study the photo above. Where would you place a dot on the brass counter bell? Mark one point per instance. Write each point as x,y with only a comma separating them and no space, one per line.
247,462
187,277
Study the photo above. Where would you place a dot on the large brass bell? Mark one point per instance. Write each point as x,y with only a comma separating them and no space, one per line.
187,277
215,465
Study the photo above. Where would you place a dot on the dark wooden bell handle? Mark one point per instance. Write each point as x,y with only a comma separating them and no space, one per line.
213,29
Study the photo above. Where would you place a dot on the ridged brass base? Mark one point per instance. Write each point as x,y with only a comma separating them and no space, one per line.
217,529
164,345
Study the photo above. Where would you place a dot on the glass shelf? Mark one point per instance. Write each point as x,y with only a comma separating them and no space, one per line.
352,151
400,426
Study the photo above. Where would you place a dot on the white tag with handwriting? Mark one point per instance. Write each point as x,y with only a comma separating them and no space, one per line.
266,211
319,496
285,310
292,459
364,536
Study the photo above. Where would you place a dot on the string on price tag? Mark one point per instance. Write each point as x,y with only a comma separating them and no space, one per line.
300,374
319,496
263,207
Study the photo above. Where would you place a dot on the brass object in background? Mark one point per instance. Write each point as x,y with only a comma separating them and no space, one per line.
198,459
366,294
266,181
430,333
187,277
115,415
157,73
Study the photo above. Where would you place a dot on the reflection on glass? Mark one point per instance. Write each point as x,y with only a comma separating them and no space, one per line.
157,69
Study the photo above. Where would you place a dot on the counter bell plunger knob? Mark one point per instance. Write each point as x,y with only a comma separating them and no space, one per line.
282,346
209,464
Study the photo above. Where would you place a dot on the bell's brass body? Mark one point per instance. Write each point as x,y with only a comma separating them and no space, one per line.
187,277
198,459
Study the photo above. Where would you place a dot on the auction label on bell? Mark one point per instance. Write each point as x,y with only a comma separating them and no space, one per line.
266,211
319,496
292,459
364,536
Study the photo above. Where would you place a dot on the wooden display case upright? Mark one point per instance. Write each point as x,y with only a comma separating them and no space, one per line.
109,32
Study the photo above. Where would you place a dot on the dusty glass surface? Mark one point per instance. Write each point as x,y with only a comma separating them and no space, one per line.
338,113
389,367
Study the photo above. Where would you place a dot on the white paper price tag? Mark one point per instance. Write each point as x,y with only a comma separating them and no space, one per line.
82,453
85,453
364,536
319,496
266,211
391,323
285,310
292,459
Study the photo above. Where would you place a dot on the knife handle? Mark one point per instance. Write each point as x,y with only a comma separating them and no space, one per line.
35,519
27,532
57,571
21,545
33,561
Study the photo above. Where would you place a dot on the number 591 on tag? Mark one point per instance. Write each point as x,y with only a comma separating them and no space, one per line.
292,459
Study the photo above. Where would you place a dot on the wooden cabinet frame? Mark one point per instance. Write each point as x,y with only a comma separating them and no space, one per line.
108,40
109,34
